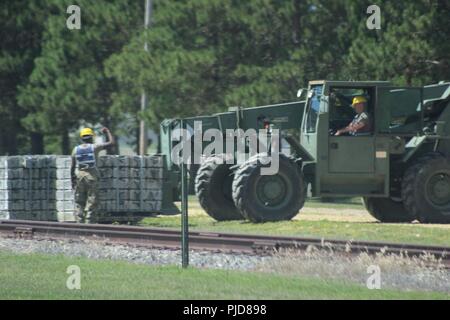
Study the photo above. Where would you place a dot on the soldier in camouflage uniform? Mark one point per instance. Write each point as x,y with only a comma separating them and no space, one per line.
85,181
362,123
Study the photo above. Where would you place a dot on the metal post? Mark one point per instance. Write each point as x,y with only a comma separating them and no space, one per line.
184,211
143,139
143,127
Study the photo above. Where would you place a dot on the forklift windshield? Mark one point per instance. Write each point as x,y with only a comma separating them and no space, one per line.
313,108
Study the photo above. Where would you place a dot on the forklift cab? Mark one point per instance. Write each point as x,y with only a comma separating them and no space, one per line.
357,164
351,152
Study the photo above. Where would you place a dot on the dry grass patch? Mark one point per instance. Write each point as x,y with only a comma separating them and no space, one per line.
396,271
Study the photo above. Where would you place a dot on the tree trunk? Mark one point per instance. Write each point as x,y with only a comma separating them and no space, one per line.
137,134
65,143
115,149
296,24
11,144
408,76
2,142
37,143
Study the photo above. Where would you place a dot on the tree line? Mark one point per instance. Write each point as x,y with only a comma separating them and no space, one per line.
204,56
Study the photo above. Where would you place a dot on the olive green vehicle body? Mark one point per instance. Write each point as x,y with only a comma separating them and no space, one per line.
408,122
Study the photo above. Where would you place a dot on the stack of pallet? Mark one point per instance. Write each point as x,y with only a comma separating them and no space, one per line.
130,183
39,187
30,185
63,206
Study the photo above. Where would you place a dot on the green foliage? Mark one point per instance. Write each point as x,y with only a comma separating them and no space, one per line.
20,34
410,49
203,56
68,85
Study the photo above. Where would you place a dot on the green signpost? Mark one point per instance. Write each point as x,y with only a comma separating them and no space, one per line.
184,212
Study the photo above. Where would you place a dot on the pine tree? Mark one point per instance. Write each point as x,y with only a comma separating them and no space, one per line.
410,48
21,35
68,85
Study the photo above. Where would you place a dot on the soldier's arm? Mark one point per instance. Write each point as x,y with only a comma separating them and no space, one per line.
110,141
102,146
344,130
358,126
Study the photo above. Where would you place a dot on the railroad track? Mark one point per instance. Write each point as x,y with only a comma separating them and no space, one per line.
220,242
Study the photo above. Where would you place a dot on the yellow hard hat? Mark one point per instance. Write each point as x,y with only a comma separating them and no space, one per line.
86,132
359,99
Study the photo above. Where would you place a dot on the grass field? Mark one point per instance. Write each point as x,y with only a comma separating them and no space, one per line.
335,220
44,277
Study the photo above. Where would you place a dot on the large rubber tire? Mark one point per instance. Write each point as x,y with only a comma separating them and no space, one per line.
269,198
213,189
426,189
387,210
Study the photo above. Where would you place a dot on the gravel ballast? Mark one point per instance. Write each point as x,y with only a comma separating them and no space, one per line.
151,256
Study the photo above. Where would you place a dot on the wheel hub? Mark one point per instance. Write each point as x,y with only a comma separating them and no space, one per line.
271,190
438,189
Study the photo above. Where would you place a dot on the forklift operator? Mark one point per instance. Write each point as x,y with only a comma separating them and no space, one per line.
362,123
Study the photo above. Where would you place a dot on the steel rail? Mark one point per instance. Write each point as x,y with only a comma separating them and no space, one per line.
199,240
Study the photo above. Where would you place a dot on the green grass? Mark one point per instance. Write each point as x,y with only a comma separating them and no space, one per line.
349,230
44,277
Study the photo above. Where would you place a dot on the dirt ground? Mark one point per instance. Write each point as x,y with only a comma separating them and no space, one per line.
329,214
349,215
333,214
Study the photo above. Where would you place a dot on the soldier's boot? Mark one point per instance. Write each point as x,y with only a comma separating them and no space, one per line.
88,217
79,213
79,209
78,218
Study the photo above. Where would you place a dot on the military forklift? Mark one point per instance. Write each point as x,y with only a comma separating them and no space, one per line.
401,169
